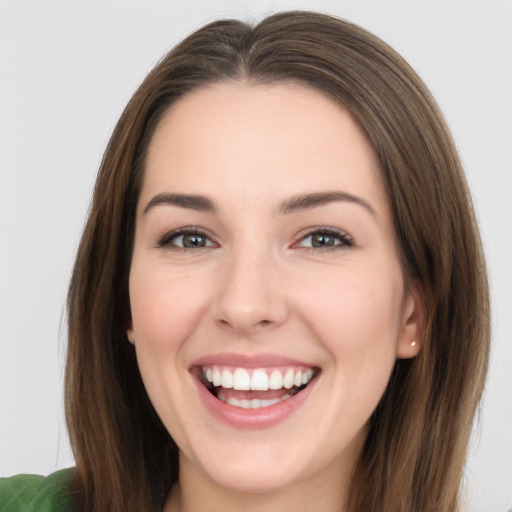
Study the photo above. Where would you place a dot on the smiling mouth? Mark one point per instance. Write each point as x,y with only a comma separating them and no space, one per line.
255,388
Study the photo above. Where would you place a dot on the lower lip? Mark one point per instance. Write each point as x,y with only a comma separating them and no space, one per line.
253,419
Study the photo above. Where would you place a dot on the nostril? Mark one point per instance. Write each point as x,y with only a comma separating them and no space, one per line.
245,323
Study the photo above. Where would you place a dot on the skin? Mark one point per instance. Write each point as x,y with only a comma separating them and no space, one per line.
259,287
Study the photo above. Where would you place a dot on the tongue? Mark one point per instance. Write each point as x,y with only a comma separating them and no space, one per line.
250,395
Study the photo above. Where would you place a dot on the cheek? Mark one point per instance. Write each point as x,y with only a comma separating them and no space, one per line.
164,311
163,316
356,316
367,302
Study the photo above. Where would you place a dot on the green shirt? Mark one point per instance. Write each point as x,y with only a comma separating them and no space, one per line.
33,493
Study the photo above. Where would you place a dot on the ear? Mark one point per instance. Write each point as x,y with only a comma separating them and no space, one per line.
410,339
128,322
130,334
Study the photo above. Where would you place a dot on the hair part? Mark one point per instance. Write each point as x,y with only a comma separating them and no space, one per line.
415,451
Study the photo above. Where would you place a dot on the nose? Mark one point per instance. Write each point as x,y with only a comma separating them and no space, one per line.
251,297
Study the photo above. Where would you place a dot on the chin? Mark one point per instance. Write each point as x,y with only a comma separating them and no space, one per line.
264,477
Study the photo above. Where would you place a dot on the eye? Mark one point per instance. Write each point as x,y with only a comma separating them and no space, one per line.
186,238
325,238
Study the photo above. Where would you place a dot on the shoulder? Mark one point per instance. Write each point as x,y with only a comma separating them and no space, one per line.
31,493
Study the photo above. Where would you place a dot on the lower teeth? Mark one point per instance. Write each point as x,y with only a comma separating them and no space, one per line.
255,403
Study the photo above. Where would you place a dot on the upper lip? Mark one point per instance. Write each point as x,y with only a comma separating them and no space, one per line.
248,361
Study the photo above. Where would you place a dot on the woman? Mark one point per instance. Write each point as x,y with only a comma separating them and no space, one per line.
279,299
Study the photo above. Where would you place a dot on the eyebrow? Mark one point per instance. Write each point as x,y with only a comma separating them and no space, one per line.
294,204
316,199
189,201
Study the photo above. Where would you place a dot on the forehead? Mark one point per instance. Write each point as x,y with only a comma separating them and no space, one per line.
272,139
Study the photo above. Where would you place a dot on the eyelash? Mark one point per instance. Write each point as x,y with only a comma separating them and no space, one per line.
165,240
345,240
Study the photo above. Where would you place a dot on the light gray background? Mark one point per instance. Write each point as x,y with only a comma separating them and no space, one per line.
67,69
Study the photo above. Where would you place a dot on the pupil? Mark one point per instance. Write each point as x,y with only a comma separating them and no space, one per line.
193,241
321,240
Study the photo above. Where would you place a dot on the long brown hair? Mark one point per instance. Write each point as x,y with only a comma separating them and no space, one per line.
415,450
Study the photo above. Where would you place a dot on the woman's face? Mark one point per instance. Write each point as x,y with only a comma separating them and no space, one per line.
267,297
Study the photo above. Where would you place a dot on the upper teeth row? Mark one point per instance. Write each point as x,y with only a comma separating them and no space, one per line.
258,379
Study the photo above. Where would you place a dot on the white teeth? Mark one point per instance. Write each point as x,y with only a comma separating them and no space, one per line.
288,379
276,380
227,379
241,379
216,377
266,403
252,404
307,376
259,381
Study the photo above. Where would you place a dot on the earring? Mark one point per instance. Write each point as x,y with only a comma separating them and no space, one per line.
413,343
